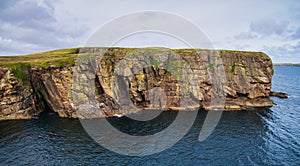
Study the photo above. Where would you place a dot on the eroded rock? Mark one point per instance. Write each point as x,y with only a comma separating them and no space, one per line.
245,78
279,94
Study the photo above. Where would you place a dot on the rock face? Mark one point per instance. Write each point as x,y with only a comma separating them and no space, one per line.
279,94
120,86
17,101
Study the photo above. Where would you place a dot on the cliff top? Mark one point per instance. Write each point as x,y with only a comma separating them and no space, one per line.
56,57
67,56
30,83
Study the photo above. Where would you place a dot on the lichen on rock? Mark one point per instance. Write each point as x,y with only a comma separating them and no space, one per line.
30,84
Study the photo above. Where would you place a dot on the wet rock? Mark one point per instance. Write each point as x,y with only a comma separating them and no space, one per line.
279,94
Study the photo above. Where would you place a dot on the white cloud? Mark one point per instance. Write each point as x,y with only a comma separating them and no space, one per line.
37,25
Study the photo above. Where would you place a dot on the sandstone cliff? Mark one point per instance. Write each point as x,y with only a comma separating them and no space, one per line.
32,83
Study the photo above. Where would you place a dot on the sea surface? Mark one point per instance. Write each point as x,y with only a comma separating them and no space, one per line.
257,137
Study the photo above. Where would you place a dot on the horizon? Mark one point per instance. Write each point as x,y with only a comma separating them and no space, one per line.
269,27
45,51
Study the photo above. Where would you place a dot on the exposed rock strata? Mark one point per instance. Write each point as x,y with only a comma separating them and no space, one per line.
17,101
248,83
279,94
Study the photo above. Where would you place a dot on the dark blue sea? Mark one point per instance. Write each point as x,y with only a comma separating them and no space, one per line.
257,137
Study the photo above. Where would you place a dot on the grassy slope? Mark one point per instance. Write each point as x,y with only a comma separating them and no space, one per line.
56,57
20,64
62,57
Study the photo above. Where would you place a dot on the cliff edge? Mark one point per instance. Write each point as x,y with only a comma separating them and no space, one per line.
30,84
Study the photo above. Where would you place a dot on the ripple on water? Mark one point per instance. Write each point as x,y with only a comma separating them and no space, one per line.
258,137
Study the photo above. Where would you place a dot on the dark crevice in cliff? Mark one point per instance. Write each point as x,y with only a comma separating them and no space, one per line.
51,78
99,89
102,97
41,105
242,94
45,108
37,103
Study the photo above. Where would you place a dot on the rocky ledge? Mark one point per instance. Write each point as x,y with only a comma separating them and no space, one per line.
56,80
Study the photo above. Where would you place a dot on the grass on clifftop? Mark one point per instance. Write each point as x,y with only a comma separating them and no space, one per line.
43,59
67,56
63,57
19,65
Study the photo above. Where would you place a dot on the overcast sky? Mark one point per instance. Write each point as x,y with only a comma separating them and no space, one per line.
28,26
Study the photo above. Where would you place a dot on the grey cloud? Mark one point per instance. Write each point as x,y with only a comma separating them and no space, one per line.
15,47
27,25
296,34
5,4
295,49
268,27
245,36
286,50
37,25
25,12
29,35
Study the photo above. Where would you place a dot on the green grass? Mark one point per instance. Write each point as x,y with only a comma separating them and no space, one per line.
19,65
21,72
211,66
43,59
232,69
64,57
154,63
168,73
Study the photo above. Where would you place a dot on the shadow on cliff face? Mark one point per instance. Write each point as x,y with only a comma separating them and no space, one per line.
46,109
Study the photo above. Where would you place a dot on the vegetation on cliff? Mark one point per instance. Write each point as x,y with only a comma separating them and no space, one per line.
32,82
43,59
19,65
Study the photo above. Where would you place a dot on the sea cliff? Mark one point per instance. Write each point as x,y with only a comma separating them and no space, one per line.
30,84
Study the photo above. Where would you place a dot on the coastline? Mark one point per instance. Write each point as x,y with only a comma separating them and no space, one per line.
31,83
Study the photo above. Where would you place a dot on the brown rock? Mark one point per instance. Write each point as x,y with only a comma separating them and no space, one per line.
279,94
246,80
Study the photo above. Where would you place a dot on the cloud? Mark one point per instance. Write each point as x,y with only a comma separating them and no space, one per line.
296,34
268,27
5,4
265,28
284,53
278,38
25,12
30,25
15,47
246,36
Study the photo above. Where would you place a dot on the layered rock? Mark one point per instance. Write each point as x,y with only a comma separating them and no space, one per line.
17,101
118,85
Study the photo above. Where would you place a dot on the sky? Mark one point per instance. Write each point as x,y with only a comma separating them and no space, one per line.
270,26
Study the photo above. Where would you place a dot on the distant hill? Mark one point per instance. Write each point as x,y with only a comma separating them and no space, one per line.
286,64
